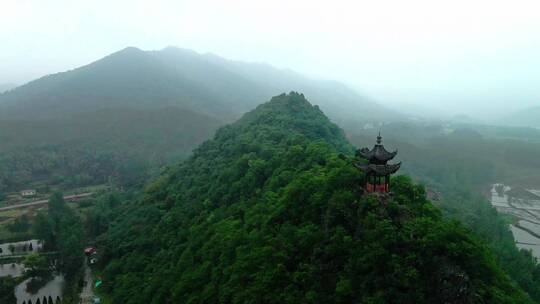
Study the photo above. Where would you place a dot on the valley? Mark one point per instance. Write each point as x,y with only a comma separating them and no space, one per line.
523,205
203,189
269,152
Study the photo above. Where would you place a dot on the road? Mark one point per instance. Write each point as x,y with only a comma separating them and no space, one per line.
42,202
87,293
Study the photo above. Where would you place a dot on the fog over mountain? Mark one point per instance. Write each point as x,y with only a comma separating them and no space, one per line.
527,117
6,87
205,84
479,58
270,152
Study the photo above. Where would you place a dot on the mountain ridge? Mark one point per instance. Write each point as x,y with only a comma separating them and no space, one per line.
268,212
204,83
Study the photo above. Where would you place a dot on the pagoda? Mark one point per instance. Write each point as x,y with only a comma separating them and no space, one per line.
377,171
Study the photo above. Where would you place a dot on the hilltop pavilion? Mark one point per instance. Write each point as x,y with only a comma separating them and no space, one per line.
377,171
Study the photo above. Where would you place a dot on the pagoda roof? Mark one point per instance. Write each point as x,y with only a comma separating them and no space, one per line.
379,170
378,154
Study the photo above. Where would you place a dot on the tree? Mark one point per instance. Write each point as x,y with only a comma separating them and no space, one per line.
7,290
71,250
36,266
61,230
57,204
21,224
43,228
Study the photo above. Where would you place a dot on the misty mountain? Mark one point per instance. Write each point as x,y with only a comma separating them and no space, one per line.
205,84
141,110
269,212
529,117
6,87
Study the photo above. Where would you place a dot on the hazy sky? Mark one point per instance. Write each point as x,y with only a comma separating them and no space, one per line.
457,56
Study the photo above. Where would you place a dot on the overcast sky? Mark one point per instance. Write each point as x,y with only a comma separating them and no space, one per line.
474,56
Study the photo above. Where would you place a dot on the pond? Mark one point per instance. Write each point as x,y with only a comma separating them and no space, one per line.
11,269
51,290
28,291
22,247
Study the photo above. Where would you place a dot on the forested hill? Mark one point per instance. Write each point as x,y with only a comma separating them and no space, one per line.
528,117
120,146
268,212
206,84
124,116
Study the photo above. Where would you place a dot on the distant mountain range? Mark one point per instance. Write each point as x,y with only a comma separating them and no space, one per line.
133,111
529,117
6,87
202,83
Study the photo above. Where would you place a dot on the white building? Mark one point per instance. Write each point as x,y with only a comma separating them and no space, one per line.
28,193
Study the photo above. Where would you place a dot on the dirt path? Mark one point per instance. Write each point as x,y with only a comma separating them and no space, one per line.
42,202
87,293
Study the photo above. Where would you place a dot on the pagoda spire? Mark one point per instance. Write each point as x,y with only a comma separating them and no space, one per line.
377,171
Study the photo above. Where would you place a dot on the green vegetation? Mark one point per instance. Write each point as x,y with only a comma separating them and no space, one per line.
461,166
13,226
121,118
205,84
20,225
61,230
267,212
36,265
7,290
120,147
99,218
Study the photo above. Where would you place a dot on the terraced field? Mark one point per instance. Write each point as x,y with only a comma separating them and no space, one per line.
524,205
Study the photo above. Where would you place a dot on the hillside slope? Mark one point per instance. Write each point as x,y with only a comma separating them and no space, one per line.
128,78
115,144
267,212
155,129
176,77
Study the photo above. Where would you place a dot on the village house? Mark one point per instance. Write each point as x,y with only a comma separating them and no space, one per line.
28,193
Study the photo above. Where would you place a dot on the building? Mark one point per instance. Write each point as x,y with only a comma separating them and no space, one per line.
88,251
377,170
28,193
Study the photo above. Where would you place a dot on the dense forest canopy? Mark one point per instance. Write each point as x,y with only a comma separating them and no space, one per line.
460,167
267,202
268,211
119,146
